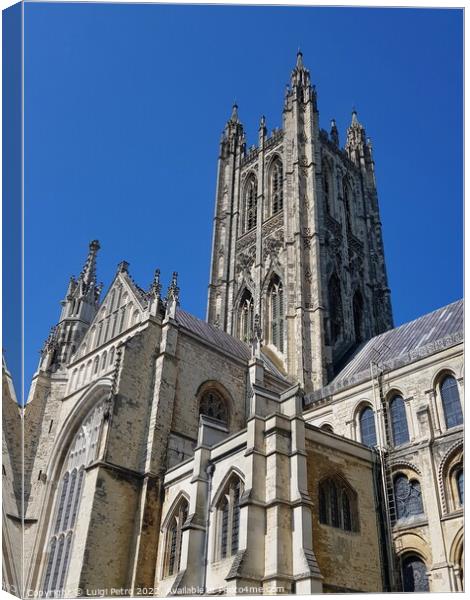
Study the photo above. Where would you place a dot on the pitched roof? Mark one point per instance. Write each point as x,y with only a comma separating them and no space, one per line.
222,340
397,347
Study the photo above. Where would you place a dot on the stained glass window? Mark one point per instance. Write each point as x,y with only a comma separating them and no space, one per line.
414,574
229,519
82,452
367,427
451,402
399,422
408,499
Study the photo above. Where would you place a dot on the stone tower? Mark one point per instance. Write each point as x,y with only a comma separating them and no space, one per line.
297,239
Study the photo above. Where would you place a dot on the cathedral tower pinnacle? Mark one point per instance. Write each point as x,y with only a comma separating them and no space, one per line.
78,309
297,240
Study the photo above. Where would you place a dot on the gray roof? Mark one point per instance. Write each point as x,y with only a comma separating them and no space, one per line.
397,347
222,340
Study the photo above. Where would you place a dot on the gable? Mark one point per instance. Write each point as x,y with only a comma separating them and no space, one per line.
121,309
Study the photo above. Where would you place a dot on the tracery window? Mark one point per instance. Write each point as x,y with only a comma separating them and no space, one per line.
327,187
460,486
414,574
276,313
275,186
337,505
358,306
408,500
246,317
213,405
174,539
250,203
451,401
83,451
367,427
229,518
399,422
335,304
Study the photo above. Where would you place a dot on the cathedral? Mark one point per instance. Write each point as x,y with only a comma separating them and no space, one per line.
294,442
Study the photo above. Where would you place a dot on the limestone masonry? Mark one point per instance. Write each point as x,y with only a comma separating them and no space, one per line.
293,443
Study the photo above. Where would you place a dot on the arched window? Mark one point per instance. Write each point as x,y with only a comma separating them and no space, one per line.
367,427
229,518
358,306
460,486
275,186
174,538
337,505
67,501
246,317
327,427
213,405
335,305
451,402
327,187
414,574
276,313
250,203
347,197
399,422
408,501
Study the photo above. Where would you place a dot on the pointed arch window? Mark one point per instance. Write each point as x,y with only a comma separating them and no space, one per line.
327,187
59,545
174,539
250,203
367,427
335,304
246,317
276,186
337,504
408,500
460,486
358,309
451,401
399,422
276,313
229,518
213,405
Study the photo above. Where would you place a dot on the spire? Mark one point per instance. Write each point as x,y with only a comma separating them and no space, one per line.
88,274
354,120
234,115
300,76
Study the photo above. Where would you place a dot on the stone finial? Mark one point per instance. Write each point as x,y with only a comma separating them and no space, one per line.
154,294
173,296
123,266
156,287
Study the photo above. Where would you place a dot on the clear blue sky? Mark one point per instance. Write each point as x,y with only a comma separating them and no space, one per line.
124,106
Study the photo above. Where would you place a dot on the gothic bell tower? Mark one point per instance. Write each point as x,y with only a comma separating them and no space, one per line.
297,240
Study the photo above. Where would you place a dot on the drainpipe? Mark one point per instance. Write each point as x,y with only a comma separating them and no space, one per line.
209,471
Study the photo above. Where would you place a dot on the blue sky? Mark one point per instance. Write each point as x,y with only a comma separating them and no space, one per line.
124,106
